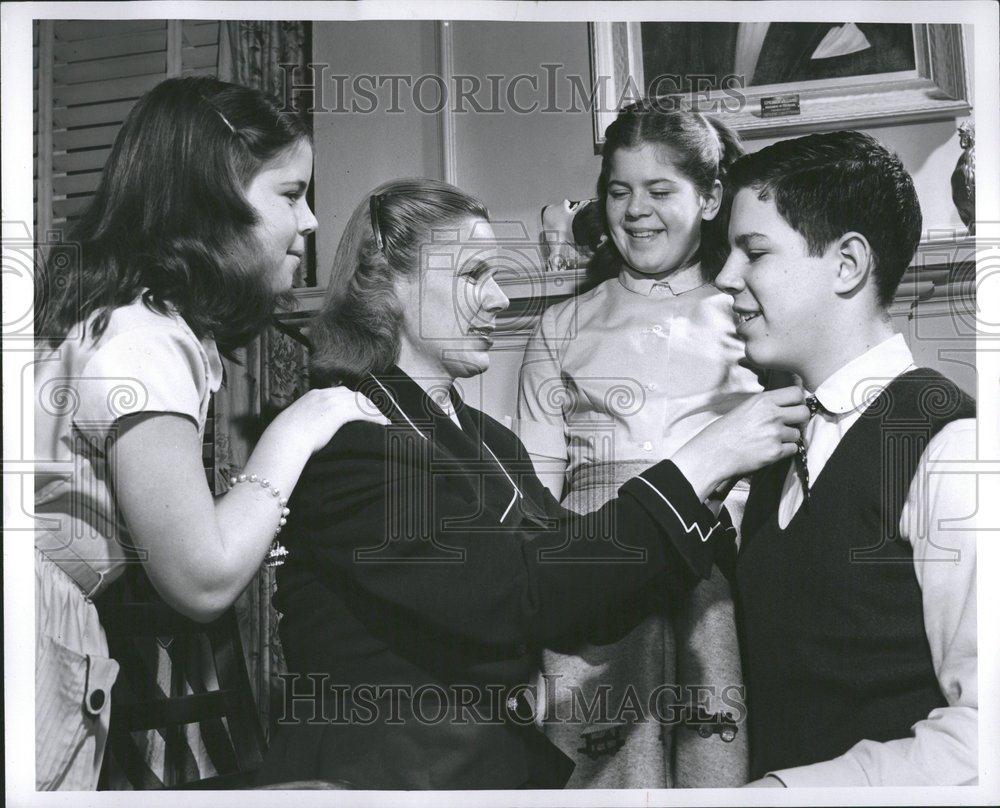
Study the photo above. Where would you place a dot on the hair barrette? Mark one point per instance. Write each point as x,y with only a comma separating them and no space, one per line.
375,211
225,120
218,112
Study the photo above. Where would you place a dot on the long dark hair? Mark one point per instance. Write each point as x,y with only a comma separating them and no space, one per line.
357,330
171,217
701,147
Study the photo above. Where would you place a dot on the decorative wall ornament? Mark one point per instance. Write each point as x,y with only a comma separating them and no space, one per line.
963,178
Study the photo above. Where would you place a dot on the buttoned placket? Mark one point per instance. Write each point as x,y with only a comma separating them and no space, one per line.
660,289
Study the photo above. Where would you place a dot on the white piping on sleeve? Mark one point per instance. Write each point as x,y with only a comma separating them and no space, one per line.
694,528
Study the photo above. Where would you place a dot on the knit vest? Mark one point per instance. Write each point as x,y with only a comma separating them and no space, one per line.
830,611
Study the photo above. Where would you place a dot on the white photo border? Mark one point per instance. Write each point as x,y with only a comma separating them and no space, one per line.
15,33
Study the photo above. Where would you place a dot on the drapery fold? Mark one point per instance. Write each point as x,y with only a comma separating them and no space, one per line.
270,372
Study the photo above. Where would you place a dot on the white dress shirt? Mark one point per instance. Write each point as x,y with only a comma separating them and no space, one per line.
937,521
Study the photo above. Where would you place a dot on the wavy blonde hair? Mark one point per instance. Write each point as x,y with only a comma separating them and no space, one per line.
357,329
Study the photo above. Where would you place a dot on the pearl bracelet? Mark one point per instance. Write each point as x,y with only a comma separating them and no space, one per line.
276,554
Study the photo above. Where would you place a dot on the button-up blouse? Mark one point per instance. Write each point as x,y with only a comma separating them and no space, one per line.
630,370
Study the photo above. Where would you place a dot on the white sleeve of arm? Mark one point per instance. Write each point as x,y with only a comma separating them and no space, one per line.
542,393
938,520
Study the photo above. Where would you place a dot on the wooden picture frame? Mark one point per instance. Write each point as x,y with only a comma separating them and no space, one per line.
938,88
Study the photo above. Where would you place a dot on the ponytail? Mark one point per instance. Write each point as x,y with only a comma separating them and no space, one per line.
715,232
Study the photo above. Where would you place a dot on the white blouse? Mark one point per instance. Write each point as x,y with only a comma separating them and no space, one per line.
630,370
143,362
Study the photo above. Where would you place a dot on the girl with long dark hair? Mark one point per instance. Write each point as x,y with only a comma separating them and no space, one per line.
190,242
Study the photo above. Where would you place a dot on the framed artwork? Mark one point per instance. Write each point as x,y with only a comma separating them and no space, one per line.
775,78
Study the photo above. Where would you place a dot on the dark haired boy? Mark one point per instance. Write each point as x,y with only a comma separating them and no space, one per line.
856,576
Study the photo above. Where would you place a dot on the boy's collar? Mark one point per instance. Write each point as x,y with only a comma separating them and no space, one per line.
854,385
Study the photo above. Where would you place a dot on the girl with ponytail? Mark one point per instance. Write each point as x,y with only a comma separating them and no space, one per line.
613,380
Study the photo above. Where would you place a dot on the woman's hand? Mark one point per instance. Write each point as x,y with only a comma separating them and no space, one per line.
200,552
762,430
317,415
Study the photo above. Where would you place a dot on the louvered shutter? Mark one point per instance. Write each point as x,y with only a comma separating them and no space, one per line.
91,72
88,74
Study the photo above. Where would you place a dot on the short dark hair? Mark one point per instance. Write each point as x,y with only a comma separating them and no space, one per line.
357,330
700,146
170,215
830,184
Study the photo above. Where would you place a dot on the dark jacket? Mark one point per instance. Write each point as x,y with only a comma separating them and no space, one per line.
427,556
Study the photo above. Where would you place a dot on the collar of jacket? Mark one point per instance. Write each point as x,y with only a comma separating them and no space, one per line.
475,447
405,403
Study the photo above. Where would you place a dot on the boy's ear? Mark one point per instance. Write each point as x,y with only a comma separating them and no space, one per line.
713,201
855,262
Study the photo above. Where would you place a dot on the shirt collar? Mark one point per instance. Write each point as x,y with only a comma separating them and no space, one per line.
680,282
860,381
216,372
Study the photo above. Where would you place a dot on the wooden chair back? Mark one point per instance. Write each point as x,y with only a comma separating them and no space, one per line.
176,674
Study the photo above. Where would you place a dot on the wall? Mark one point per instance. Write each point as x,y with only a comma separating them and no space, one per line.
515,162
355,152
929,151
